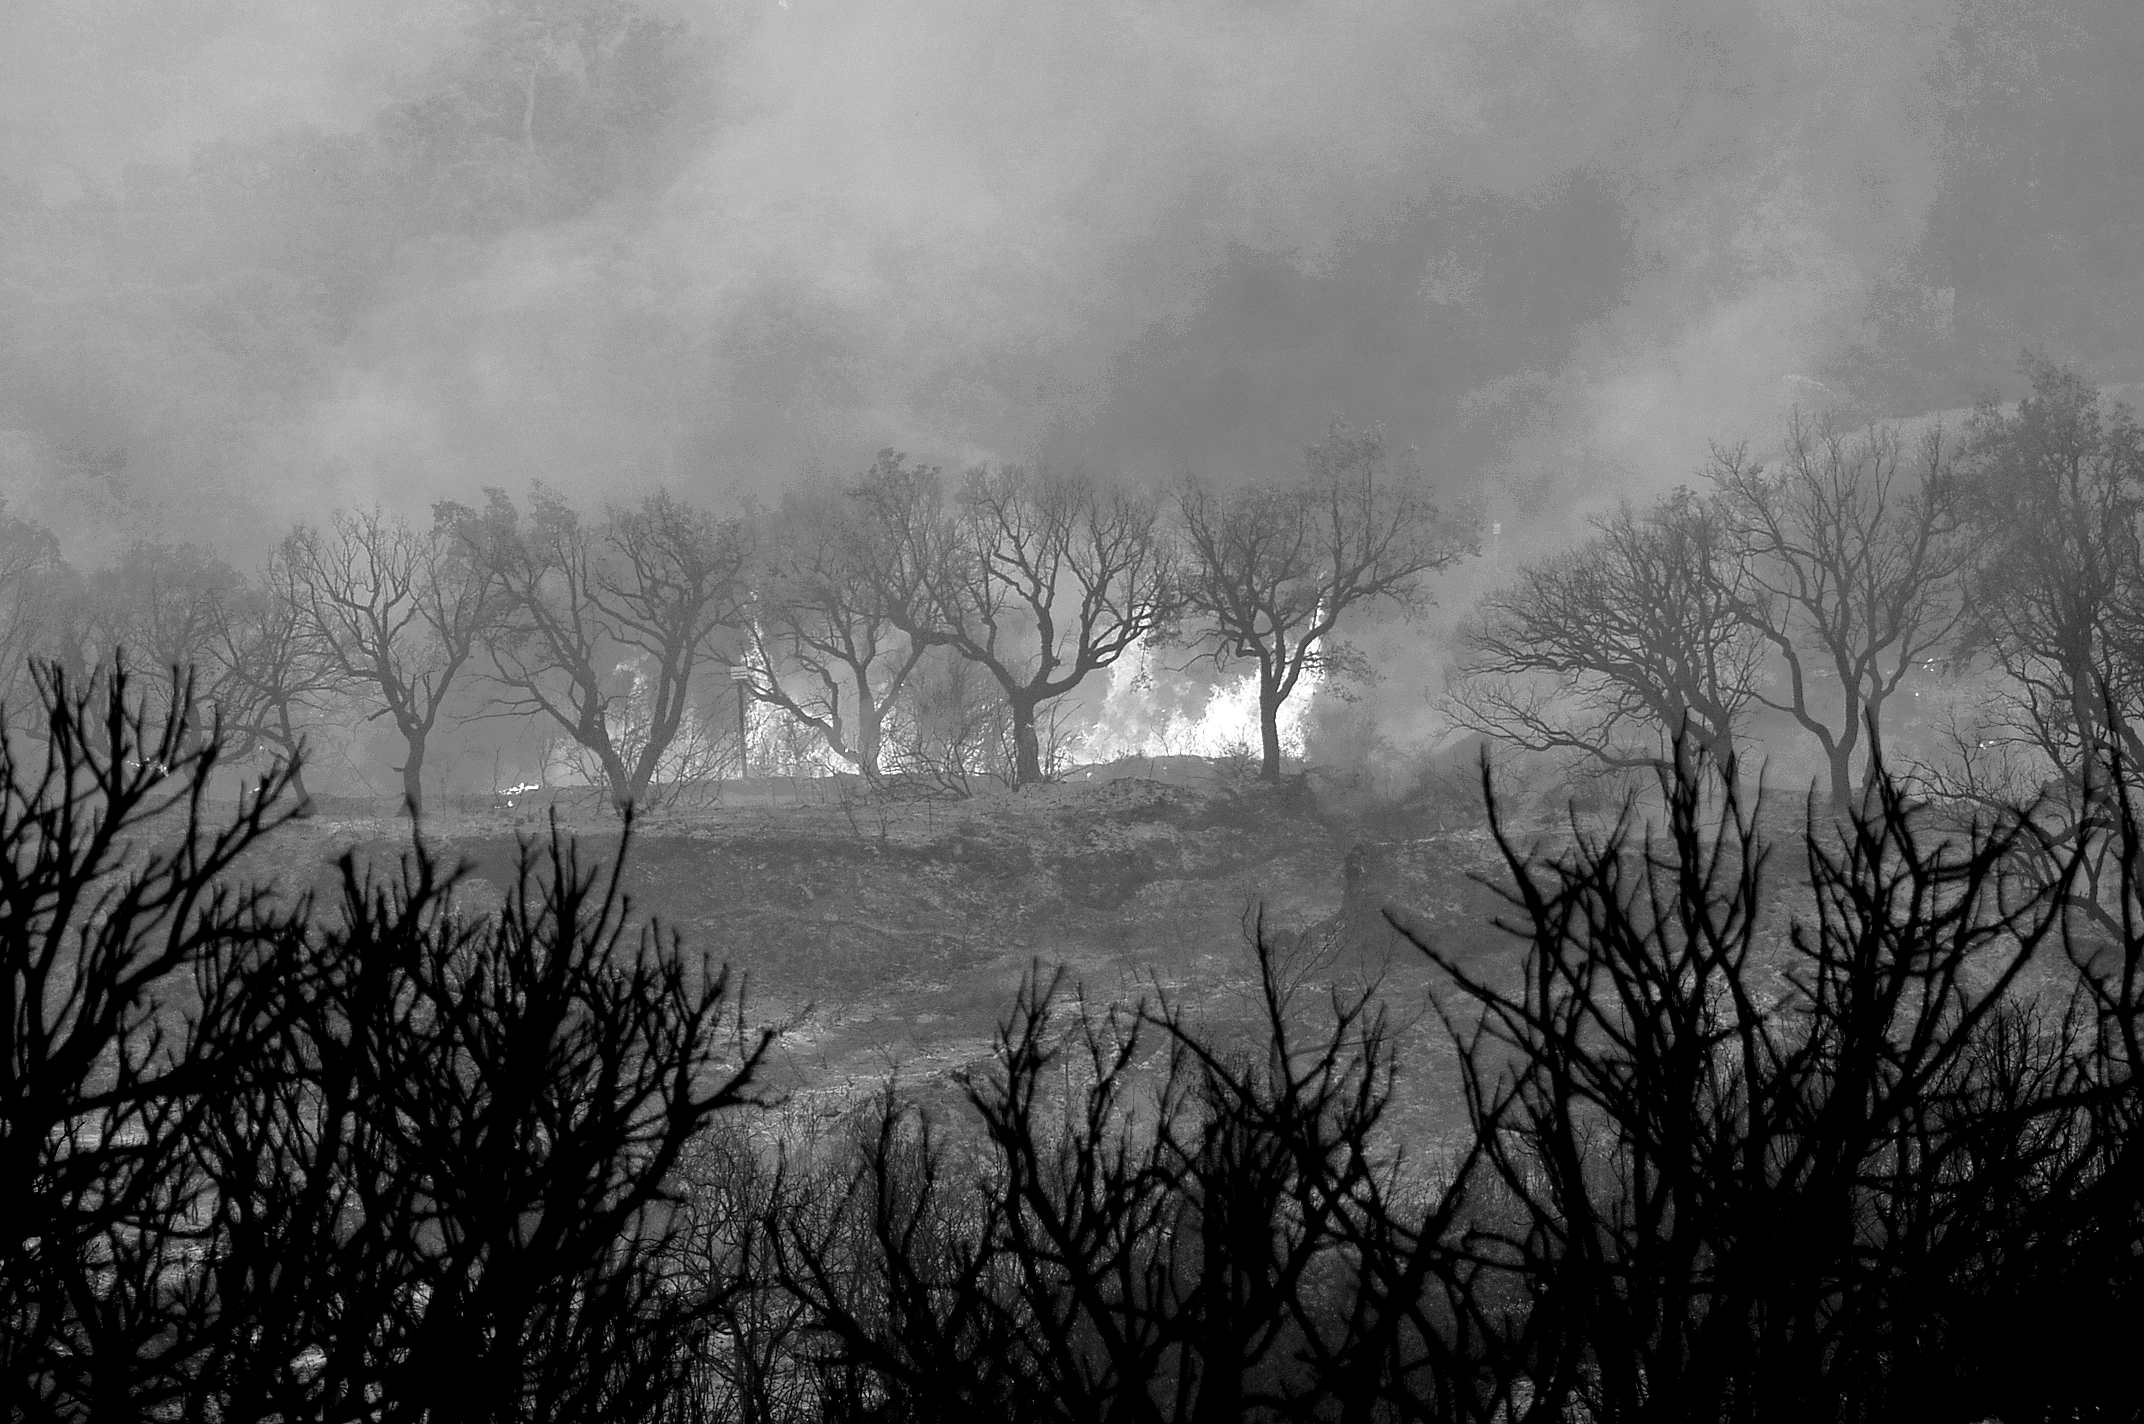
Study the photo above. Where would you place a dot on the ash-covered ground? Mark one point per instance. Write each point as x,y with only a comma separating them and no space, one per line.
891,935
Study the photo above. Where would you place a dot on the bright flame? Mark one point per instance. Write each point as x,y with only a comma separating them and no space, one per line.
1142,714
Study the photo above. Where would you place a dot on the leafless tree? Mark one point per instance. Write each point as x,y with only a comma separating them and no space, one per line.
397,612
270,668
602,625
1851,558
131,945
824,633
1273,568
1618,646
1040,578
389,1162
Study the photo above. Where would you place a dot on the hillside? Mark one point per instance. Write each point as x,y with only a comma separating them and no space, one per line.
892,935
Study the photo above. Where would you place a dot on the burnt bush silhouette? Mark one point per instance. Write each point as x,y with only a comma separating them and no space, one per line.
262,1162
1857,1143
1859,1148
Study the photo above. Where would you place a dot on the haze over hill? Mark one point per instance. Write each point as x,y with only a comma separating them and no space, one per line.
257,259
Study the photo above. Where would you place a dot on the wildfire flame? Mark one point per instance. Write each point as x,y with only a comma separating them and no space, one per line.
1146,709
1146,712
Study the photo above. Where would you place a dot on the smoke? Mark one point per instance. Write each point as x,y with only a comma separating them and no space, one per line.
1533,237
88,87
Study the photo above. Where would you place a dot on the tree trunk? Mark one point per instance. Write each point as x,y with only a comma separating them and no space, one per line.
1874,757
301,794
298,789
867,737
413,781
1841,758
1269,735
627,785
1720,746
1026,745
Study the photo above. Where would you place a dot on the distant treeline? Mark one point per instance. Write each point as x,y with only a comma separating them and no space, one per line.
902,624
894,622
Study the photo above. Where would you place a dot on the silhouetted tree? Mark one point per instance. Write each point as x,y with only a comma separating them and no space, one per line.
1850,559
1271,569
1831,1168
1112,1247
1614,648
459,1202
395,1163
1860,1142
600,627
397,613
827,648
127,1000
1039,577
270,670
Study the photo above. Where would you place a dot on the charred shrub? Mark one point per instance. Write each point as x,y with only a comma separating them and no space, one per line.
1854,1145
1858,1142
1859,1154
1142,1224
264,1161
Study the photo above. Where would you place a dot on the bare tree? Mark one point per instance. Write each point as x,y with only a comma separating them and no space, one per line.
397,612
388,1162
1851,557
270,669
1272,569
1616,647
1042,578
601,626
132,945
824,632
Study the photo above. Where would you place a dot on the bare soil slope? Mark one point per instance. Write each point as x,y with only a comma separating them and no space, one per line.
893,935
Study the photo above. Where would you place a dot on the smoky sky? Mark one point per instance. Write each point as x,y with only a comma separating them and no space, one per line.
1542,240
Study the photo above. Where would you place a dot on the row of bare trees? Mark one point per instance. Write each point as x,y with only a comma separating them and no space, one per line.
1814,587
824,607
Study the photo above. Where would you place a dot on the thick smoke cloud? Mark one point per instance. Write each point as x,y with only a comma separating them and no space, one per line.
1160,234
88,87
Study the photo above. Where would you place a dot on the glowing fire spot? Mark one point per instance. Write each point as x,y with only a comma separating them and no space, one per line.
1145,712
